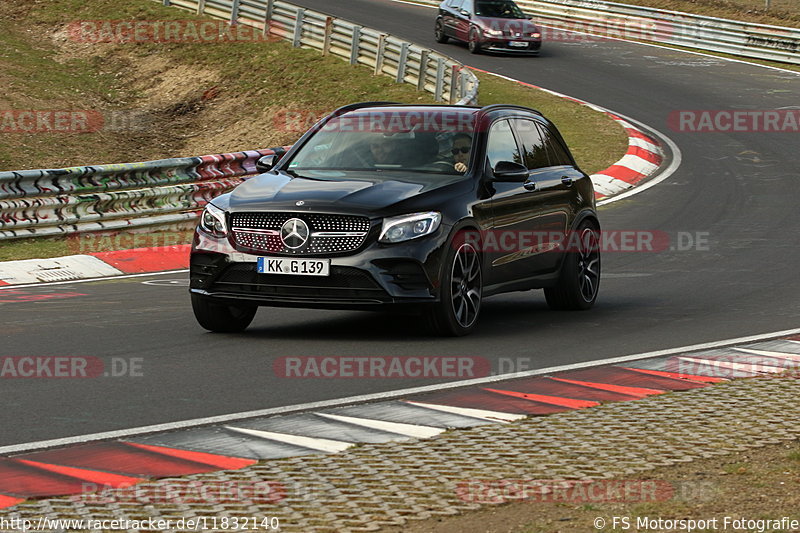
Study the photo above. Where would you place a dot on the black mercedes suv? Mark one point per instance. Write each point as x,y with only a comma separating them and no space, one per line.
380,205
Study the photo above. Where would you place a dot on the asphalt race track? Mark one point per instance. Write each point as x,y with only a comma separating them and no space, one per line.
735,193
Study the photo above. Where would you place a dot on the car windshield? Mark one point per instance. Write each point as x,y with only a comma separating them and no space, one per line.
384,142
498,9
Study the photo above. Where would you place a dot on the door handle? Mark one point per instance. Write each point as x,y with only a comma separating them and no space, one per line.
529,185
566,180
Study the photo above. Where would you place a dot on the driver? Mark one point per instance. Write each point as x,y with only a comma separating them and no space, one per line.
462,145
380,150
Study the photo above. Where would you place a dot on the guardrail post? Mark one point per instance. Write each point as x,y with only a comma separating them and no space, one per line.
326,43
235,13
439,79
423,70
355,45
454,74
298,27
166,3
401,66
201,6
380,53
268,16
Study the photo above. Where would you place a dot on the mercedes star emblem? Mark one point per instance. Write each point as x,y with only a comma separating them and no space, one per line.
294,233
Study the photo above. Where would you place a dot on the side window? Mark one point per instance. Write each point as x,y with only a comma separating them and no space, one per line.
533,145
502,146
557,152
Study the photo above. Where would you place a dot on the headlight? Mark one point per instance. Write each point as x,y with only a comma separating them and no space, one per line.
213,221
407,227
494,33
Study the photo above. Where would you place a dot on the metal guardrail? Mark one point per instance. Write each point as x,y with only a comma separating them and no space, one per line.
757,41
110,197
406,62
172,191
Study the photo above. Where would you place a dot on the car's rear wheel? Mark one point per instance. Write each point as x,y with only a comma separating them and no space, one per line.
221,317
438,32
474,43
579,280
457,311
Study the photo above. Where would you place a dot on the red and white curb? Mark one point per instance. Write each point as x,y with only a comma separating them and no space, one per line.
95,265
642,160
37,470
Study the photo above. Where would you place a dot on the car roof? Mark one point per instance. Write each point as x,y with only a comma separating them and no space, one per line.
388,107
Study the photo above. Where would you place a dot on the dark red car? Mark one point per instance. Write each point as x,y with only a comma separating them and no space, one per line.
497,25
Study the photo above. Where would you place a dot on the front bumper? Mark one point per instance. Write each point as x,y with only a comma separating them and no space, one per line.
500,44
377,275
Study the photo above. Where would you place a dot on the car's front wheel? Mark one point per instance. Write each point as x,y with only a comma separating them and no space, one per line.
474,43
438,32
220,317
579,280
457,312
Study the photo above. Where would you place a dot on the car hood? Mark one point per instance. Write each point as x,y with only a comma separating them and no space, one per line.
348,191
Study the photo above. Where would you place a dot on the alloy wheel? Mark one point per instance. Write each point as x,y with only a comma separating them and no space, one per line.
466,284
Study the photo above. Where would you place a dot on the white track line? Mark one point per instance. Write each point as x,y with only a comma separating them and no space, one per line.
388,395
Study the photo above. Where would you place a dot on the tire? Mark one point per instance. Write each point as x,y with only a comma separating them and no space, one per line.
456,313
474,43
579,280
438,32
221,318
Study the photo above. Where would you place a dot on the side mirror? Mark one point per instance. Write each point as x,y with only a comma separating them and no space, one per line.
509,171
266,163
465,13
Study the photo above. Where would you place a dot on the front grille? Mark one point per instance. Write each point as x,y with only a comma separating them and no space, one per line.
343,283
329,234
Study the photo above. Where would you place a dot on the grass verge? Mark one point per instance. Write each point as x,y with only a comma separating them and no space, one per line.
757,484
172,100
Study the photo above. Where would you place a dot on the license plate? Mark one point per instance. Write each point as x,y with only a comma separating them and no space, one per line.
518,44
294,267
